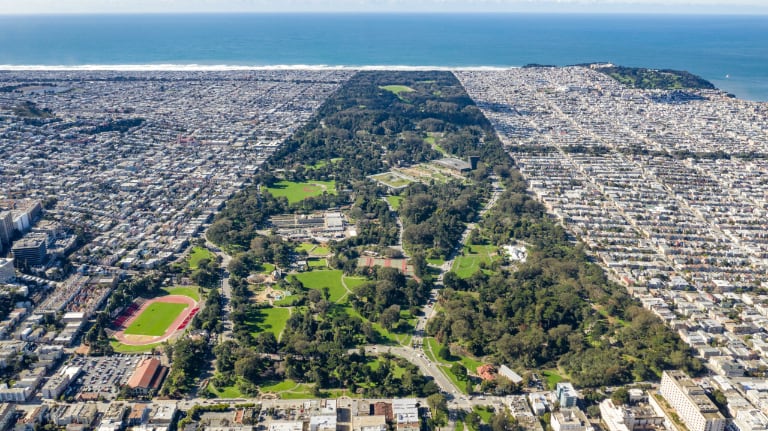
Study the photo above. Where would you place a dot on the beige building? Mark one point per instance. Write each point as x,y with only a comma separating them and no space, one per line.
691,403
570,420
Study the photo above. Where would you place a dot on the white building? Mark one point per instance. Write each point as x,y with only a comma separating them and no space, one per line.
322,423
7,272
286,426
750,420
691,403
570,420
511,375
629,418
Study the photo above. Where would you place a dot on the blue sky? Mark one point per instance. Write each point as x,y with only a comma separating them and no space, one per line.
175,6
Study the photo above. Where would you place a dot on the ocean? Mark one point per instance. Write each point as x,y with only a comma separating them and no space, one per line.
730,51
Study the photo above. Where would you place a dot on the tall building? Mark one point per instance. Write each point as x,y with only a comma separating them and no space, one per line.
691,403
7,272
6,228
566,395
30,249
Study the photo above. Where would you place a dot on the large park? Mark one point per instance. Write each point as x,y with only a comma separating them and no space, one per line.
366,241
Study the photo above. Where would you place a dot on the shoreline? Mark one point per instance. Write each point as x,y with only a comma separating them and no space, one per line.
179,67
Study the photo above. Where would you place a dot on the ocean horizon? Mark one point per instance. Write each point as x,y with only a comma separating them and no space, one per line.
730,51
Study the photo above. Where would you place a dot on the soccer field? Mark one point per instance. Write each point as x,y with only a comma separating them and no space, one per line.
156,319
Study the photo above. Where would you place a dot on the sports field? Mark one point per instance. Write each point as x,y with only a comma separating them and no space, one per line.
297,192
155,319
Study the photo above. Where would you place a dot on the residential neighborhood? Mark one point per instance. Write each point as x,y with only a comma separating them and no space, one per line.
108,175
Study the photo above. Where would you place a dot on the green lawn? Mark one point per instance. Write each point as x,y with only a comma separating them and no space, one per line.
353,282
280,386
317,263
321,251
297,192
313,250
397,89
274,320
553,378
226,392
432,347
288,301
125,348
319,279
267,268
305,246
198,254
191,292
395,201
465,266
156,319
289,389
485,413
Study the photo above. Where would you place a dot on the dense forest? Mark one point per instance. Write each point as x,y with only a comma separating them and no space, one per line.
556,309
365,129
652,79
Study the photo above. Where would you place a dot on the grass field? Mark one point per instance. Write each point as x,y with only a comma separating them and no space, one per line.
226,392
289,389
198,254
156,319
466,265
125,348
437,262
321,251
484,412
305,246
553,378
319,279
317,262
397,89
353,282
190,292
431,347
297,192
274,320
313,249
395,201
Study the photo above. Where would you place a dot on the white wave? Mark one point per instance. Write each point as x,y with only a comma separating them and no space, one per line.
226,67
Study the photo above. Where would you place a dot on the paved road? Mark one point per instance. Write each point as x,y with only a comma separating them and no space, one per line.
226,292
417,356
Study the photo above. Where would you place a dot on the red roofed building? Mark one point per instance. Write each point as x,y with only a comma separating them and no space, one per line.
148,376
382,408
486,372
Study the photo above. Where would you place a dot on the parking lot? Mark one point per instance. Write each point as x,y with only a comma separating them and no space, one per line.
103,376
